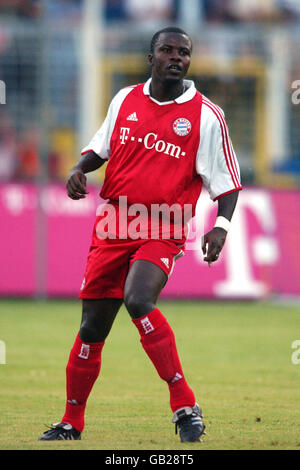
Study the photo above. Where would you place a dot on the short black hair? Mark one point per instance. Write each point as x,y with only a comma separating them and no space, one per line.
169,29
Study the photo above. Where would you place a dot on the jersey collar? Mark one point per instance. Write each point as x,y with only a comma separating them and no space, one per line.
186,96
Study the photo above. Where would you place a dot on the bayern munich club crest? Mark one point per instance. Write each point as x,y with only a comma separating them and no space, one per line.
182,127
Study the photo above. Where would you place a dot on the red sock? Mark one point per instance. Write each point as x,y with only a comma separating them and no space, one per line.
158,341
82,371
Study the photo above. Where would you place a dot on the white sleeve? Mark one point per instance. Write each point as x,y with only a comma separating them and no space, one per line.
100,143
216,161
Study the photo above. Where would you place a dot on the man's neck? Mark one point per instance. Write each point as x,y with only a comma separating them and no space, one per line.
166,91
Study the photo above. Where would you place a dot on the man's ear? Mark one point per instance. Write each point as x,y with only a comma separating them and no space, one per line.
150,59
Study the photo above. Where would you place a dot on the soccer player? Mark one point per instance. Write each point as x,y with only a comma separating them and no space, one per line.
162,140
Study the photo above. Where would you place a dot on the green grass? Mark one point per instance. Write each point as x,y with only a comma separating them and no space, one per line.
236,357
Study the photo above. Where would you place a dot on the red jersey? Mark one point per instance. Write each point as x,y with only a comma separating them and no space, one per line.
163,152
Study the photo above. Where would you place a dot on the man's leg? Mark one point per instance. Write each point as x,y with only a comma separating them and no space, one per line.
143,285
97,318
85,357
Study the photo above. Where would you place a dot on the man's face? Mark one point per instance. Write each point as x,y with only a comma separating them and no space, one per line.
171,58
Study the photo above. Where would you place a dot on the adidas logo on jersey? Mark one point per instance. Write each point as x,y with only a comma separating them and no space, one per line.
132,117
165,261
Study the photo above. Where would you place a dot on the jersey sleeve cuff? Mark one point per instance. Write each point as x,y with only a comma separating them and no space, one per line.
84,151
238,188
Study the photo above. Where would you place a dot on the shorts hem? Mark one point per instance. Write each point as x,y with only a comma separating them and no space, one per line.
106,295
166,271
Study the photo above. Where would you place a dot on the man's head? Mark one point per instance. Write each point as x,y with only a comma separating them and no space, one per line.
170,54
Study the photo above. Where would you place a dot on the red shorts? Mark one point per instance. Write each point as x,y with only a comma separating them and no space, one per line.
109,261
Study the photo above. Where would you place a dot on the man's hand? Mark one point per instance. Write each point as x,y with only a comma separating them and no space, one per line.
76,184
213,243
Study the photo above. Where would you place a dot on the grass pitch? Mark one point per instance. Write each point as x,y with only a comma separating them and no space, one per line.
236,357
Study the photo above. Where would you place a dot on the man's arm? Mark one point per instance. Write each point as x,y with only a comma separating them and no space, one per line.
214,240
76,183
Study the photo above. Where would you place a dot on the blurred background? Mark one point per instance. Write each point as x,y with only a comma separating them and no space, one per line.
61,62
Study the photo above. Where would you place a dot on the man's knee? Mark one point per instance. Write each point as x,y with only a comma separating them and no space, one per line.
138,304
89,328
97,319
